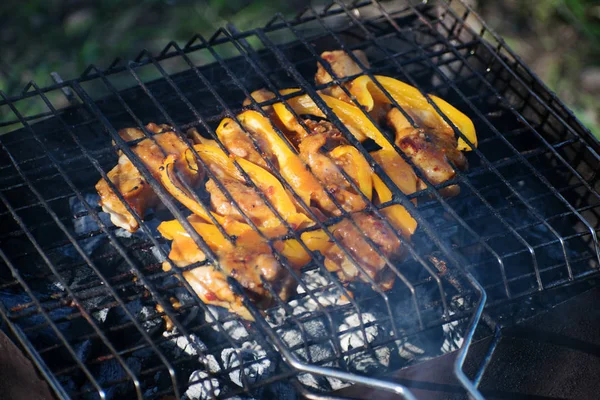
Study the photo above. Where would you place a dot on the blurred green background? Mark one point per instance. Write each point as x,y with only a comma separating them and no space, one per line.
559,39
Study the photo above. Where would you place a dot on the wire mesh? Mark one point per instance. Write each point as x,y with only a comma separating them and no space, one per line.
89,302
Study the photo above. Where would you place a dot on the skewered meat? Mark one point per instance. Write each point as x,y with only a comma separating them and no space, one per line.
130,182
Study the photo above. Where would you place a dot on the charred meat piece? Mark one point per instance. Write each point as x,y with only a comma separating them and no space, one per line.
245,196
246,261
313,151
433,152
130,182
353,240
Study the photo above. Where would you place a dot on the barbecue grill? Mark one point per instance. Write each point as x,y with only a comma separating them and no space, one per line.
88,302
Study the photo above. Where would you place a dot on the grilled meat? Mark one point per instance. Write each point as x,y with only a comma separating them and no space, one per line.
353,240
246,197
340,170
332,135
246,261
239,143
342,66
130,182
432,151
313,146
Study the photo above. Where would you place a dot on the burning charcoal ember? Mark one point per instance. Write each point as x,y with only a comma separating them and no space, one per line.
201,385
85,224
110,371
315,331
352,336
256,363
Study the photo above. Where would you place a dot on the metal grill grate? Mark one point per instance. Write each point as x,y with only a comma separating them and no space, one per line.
81,296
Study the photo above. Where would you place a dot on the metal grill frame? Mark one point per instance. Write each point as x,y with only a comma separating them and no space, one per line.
501,56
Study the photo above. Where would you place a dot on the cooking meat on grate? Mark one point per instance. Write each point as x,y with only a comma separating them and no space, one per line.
247,260
239,143
310,157
314,146
434,153
251,204
131,183
433,148
352,238
342,66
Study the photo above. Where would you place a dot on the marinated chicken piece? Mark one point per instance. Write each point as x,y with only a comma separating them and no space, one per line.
353,240
239,143
332,135
246,197
246,261
313,146
130,182
342,66
431,151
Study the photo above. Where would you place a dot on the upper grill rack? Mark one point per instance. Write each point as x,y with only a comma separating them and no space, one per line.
525,221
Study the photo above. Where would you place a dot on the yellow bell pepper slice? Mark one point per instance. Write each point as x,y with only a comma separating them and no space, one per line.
396,214
170,181
397,169
172,230
356,166
291,248
302,105
291,166
314,241
409,98
354,117
262,178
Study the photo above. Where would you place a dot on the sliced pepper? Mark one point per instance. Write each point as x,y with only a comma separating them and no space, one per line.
354,117
184,244
291,166
397,215
302,105
349,114
397,169
355,166
263,179
314,241
170,181
410,99
172,230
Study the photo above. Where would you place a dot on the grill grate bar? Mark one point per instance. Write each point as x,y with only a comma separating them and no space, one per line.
541,138
82,253
486,162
